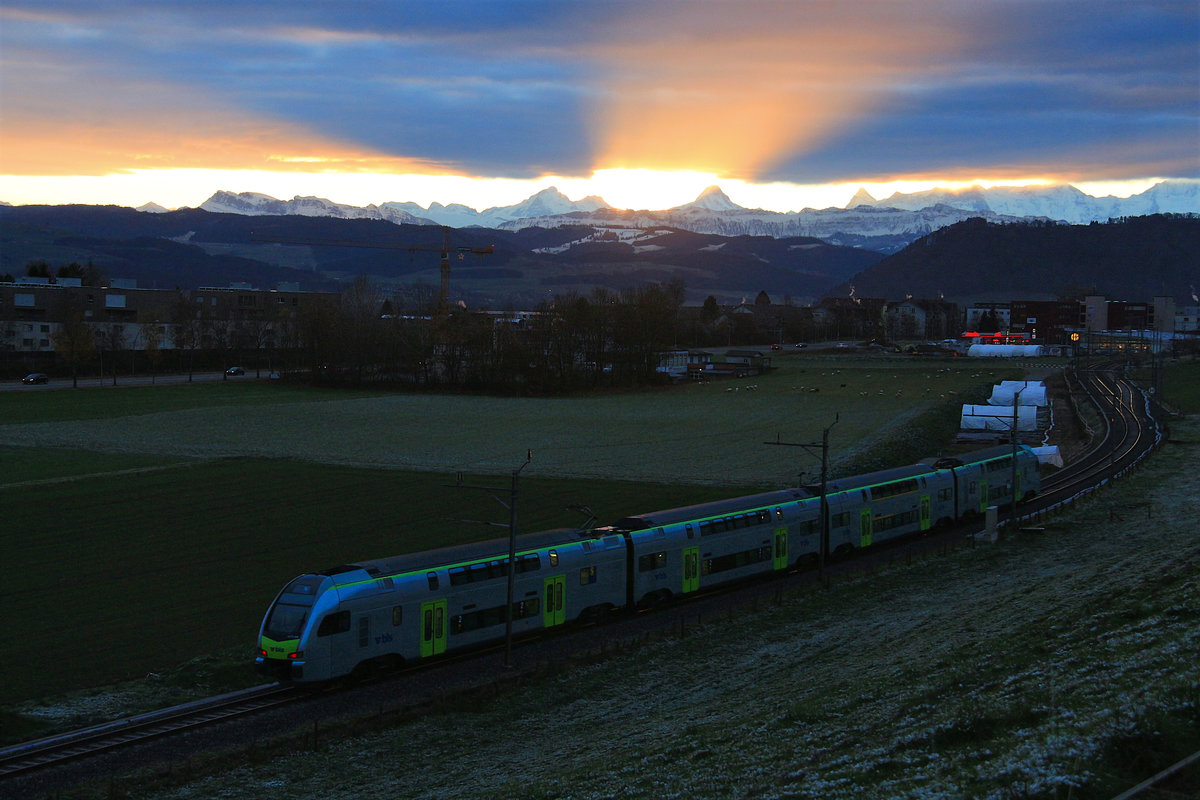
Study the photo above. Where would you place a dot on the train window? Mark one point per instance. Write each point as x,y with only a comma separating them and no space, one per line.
364,631
779,513
433,580
652,561
286,621
477,572
554,558
587,576
894,488
529,563
490,617
691,532
397,616
945,494
498,569
385,584
304,585
840,520
735,560
458,576
337,622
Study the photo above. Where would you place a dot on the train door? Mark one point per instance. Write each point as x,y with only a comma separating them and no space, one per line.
866,528
926,514
691,569
983,495
554,608
433,628
781,548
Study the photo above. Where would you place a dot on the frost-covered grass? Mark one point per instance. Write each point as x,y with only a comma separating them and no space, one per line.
1058,663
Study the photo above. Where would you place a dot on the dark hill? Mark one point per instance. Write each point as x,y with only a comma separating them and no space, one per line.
190,248
1132,259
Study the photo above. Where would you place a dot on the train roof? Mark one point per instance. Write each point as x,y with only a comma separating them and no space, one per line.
465,553
985,454
872,478
717,508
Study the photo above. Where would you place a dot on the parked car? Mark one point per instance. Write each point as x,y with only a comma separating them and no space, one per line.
35,377
235,371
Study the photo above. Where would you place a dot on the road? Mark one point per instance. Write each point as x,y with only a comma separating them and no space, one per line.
94,382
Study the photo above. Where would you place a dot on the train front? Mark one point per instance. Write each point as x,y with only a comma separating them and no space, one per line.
287,629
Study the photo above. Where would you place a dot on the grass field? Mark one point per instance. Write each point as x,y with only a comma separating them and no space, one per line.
1059,663
977,676
699,433
150,527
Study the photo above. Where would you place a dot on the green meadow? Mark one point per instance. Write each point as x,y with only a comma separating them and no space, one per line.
149,527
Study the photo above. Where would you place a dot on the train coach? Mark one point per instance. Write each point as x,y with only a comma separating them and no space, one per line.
377,614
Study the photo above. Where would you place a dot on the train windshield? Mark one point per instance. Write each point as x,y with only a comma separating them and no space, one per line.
286,621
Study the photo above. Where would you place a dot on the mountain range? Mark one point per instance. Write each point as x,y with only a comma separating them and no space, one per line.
551,245
190,248
884,226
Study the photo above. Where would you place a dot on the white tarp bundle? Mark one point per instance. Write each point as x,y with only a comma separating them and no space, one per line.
1049,455
1005,350
1033,393
998,418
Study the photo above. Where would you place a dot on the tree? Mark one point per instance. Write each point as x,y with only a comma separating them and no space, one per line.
74,342
152,338
185,318
710,311
38,269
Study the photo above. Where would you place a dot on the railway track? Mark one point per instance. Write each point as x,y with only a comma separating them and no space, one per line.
1130,433
86,742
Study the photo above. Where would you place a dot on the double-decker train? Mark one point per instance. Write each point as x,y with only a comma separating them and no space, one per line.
379,614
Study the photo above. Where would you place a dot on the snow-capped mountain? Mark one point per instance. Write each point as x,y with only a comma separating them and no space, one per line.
884,225
255,204
881,229
1063,203
548,202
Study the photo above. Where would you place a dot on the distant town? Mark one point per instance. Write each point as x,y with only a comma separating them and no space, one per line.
65,326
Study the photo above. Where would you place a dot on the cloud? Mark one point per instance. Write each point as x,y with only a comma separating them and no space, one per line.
734,88
790,90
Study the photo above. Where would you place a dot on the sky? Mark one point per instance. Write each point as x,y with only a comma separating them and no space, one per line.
784,104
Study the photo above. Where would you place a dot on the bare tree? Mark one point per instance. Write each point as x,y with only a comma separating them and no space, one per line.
74,342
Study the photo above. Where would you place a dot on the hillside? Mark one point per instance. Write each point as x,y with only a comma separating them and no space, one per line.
191,248
1128,259
974,259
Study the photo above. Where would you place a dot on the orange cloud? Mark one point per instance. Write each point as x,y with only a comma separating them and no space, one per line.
168,142
733,88
61,119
